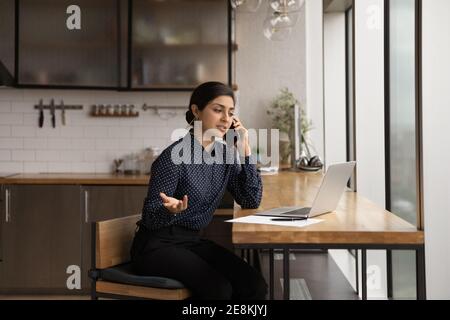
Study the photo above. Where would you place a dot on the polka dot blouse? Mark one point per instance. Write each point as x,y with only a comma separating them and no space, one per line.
186,168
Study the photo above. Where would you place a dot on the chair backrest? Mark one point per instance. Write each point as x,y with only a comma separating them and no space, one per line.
113,239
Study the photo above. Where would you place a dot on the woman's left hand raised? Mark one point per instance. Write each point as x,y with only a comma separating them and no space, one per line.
243,141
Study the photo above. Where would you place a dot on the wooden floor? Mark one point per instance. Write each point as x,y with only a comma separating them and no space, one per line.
313,276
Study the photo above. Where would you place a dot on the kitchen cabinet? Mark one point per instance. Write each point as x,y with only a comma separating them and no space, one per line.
220,232
124,45
109,202
2,219
44,229
179,44
7,35
103,203
41,234
61,44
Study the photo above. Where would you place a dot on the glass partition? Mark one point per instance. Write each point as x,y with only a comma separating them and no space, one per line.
402,191
179,43
7,34
65,45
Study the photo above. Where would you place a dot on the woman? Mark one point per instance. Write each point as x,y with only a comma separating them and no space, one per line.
182,198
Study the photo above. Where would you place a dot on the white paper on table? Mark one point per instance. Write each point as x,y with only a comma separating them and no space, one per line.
268,220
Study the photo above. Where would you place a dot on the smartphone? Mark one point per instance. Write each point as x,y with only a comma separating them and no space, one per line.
232,128
232,125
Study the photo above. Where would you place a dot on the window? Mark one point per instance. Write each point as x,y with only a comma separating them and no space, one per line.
402,131
351,152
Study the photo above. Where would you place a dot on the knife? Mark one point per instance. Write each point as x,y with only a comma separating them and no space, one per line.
63,113
52,112
41,114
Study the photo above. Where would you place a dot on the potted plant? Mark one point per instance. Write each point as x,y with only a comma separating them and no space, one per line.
282,112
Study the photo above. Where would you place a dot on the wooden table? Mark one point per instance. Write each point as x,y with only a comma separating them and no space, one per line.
357,224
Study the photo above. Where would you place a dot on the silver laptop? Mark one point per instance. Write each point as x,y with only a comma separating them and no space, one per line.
327,198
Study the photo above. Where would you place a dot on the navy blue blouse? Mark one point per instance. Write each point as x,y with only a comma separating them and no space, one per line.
185,168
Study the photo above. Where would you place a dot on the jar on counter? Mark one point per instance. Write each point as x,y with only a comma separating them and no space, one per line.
101,110
148,156
94,110
117,110
131,164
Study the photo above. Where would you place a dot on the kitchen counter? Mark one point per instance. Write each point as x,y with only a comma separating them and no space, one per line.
76,179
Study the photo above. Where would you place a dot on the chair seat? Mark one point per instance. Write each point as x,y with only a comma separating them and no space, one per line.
124,274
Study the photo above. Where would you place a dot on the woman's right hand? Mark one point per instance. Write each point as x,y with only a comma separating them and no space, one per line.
175,206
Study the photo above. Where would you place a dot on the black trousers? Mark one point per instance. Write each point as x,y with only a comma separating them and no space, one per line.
208,270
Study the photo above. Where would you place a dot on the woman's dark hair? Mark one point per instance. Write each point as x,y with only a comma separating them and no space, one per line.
204,94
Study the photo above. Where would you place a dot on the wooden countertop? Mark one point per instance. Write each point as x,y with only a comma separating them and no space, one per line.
356,220
76,179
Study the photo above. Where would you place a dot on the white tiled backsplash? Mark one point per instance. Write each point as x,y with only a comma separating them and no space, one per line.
85,144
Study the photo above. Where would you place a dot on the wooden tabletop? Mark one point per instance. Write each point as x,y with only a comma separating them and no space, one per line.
356,220
77,178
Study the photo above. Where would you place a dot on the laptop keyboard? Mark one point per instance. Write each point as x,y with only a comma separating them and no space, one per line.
298,212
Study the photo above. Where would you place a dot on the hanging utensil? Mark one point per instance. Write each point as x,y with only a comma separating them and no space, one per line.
52,112
41,114
63,113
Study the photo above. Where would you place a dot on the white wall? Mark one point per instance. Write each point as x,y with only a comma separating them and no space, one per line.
263,67
335,113
314,72
436,142
88,144
369,103
85,144
335,88
370,146
369,89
